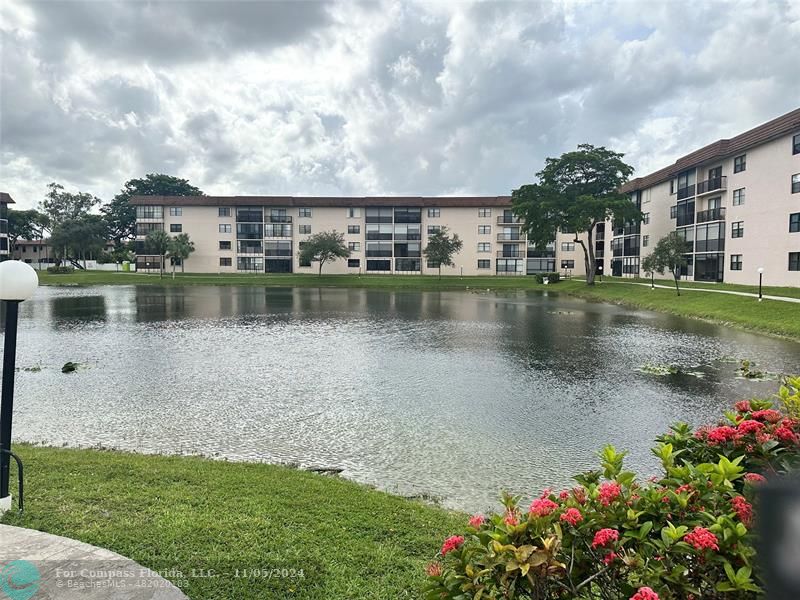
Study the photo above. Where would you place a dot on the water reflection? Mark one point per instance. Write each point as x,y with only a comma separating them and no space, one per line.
457,395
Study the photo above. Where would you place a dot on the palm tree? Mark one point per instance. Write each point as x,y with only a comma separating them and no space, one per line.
180,247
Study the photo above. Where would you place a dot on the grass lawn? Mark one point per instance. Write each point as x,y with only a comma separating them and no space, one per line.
191,513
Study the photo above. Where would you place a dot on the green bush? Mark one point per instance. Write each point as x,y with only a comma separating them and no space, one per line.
685,534
551,277
62,270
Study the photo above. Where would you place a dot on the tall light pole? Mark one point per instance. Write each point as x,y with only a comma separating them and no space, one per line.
18,282
760,278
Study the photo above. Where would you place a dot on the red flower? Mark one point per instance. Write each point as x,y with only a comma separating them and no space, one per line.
743,509
434,569
762,437
754,478
742,406
546,493
750,426
511,518
645,593
604,537
769,415
572,516
563,494
476,521
452,543
701,538
609,558
580,494
609,492
720,435
686,487
542,507
786,435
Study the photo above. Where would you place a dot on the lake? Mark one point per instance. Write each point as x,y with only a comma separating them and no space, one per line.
451,395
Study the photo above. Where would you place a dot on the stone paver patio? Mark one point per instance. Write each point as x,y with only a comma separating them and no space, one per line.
41,566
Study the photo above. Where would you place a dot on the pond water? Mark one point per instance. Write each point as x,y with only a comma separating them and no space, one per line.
447,394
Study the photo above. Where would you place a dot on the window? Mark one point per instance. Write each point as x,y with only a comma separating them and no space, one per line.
304,212
378,215
224,245
796,144
484,247
646,218
304,229
354,263
407,264
303,262
224,227
484,229
794,261
353,213
146,228
736,262
673,211
796,183
645,241
175,211
354,246
352,229
484,212
434,229
434,212
484,264
738,197
149,212
379,265
175,228
568,246
224,211
740,163
226,262
432,264
737,229
794,222
567,264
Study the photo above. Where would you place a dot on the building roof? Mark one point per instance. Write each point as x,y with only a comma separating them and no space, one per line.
721,149
6,198
334,201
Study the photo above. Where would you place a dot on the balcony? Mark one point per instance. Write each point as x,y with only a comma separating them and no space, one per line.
508,220
511,237
3,226
712,185
712,214
510,254
685,192
278,219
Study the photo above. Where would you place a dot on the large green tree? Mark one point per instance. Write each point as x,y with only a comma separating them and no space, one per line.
60,206
121,216
158,242
669,254
322,247
180,247
78,238
441,248
574,193
25,225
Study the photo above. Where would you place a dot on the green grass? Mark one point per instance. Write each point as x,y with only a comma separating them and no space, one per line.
792,292
769,316
191,513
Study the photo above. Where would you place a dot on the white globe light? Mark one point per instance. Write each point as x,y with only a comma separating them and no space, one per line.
18,280
760,269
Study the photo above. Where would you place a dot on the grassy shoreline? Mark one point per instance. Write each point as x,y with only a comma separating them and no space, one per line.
184,513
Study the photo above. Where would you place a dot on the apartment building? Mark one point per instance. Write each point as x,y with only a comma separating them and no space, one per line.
5,200
263,234
736,202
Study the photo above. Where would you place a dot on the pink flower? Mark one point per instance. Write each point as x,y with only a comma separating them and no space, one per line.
769,415
720,435
754,478
476,521
645,593
452,543
762,437
572,516
742,406
542,507
580,494
434,569
786,435
743,509
604,537
701,538
609,491
511,518
750,426
609,558
546,493
563,494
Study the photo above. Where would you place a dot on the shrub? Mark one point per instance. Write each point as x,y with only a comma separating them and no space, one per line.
685,534
62,270
551,277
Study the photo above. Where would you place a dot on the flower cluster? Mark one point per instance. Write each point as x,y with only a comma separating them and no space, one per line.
701,539
743,509
644,593
541,507
454,542
604,537
608,492
572,516
476,521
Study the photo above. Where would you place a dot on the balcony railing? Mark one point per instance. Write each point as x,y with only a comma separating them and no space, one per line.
508,220
685,192
278,219
510,237
712,185
510,254
712,214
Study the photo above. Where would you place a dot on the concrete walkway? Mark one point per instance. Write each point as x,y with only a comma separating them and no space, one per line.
696,289
41,566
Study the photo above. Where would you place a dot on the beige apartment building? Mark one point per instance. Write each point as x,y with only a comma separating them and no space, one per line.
736,202
386,235
5,200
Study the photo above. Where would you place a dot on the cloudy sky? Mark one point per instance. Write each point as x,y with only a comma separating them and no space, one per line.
368,98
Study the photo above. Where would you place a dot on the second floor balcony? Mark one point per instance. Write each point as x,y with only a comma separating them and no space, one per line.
510,253
712,185
712,214
508,220
511,237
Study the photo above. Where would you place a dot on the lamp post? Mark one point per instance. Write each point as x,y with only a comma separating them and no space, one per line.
18,282
760,278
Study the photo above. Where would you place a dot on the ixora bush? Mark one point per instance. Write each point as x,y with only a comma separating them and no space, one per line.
684,535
